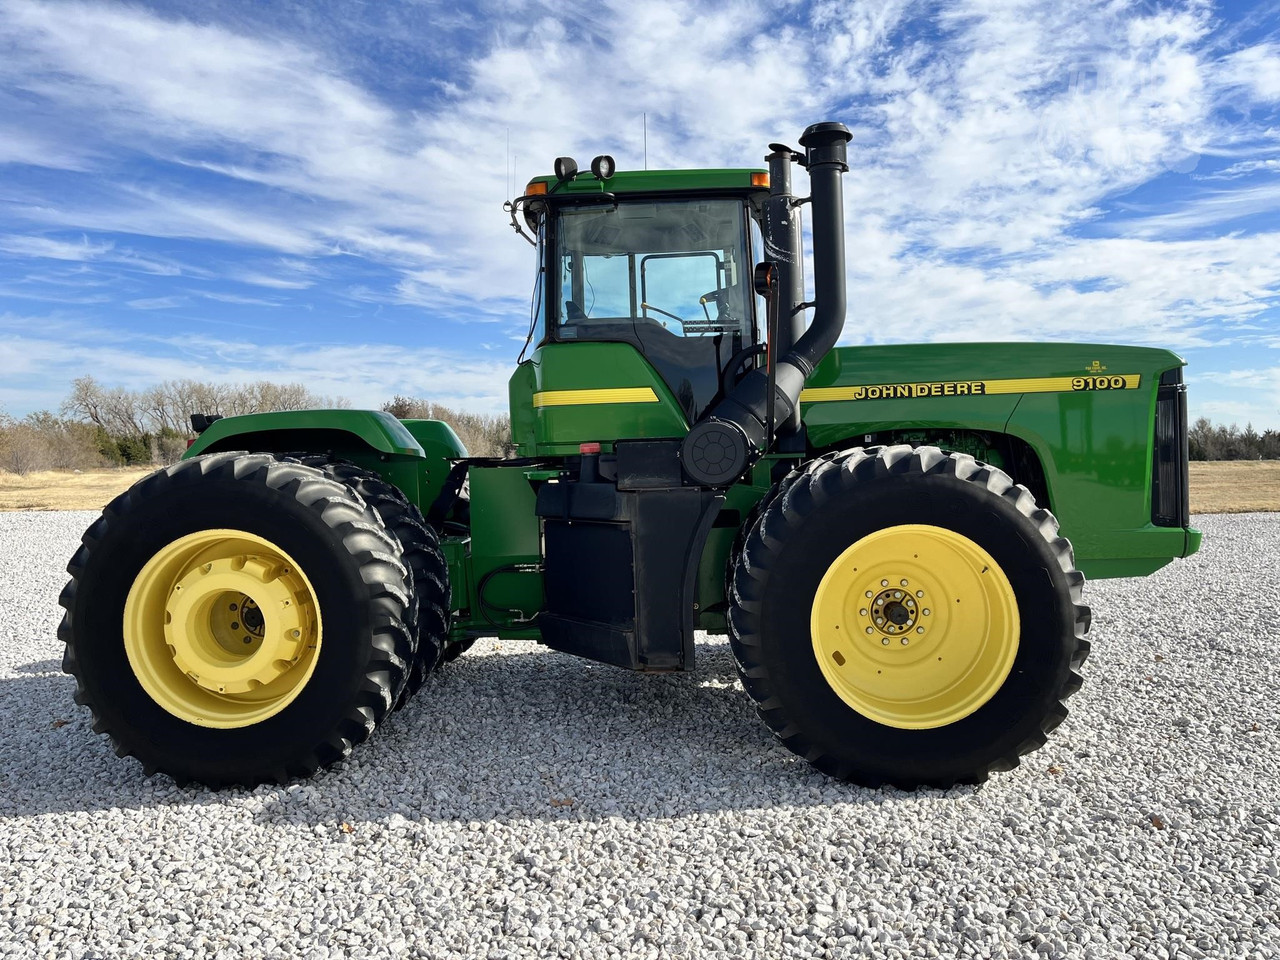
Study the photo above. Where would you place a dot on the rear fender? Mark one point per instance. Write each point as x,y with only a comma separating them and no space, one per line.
415,455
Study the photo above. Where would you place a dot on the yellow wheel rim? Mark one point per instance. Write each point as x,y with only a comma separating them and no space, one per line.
915,626
222,628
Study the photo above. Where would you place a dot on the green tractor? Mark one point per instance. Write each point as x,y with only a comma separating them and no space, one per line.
871,526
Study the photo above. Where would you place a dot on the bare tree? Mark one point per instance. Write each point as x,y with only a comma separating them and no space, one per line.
483,434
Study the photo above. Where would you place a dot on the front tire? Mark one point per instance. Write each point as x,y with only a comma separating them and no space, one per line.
908,617
169,660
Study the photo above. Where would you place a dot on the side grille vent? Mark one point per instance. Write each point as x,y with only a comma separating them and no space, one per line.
1170,504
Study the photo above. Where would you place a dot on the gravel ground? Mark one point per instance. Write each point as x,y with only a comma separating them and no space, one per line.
530,804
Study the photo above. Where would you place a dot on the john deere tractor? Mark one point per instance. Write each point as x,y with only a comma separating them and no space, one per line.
882,531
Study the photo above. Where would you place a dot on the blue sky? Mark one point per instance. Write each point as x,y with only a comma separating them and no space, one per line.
312,191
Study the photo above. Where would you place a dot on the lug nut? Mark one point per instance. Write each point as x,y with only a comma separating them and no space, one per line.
920,593
869,630
919,629
925,611
884,583
905,641
904,582
885,641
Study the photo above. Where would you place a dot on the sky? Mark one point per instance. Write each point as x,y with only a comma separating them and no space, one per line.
311,190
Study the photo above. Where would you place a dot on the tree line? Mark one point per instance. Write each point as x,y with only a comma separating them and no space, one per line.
1209,441
100,426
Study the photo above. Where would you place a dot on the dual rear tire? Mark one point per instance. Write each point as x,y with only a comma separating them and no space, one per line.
241,618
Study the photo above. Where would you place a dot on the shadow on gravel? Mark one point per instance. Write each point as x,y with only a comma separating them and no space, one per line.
41,666
514,733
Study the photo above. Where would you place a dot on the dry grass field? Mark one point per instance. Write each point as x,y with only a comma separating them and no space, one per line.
65,490
1238,486
1235,486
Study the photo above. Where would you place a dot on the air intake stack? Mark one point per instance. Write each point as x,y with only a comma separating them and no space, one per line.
736,432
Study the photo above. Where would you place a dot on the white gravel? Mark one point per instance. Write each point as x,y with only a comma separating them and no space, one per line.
530,804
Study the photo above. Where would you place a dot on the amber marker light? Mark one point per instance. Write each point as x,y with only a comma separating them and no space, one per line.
760,179
537,187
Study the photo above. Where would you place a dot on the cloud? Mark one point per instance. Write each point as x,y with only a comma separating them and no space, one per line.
156,303
46,248
1019,170
1256,69
237,299
274,282
39,367
1243,168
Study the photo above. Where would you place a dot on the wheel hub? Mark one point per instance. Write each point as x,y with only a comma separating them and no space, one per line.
218,634
915,626
221,628
895,610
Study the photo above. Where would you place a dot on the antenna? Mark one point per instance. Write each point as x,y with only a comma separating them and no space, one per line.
509,186
644,120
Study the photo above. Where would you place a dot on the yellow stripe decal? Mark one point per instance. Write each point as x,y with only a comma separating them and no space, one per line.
572,398
970,388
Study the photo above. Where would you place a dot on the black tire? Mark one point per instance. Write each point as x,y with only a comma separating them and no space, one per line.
455,650
420,546
833,504
360,587
753,517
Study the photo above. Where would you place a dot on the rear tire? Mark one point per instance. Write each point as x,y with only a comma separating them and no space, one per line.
420,545
455,650
171,688
979,689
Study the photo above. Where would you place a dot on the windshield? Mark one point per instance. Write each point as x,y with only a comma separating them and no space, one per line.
674,265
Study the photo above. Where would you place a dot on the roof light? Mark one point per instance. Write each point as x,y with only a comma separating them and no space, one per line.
535,187
603,167
760,179
566,168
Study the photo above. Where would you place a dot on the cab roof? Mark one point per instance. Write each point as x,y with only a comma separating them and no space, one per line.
656,181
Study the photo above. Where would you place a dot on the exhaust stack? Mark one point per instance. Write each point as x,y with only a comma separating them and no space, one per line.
734,433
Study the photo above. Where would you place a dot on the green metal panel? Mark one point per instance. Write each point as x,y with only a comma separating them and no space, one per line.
1096,450
657,181
440,447
563,402
504,530
739,500
380,431
520,390
1087,410
833,423
415,455
436,438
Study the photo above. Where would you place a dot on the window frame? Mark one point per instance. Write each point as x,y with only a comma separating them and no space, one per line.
552,273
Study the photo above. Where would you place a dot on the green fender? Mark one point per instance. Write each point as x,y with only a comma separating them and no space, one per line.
415,455
314,429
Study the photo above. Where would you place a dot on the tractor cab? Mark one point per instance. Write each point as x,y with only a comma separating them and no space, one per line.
658,261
